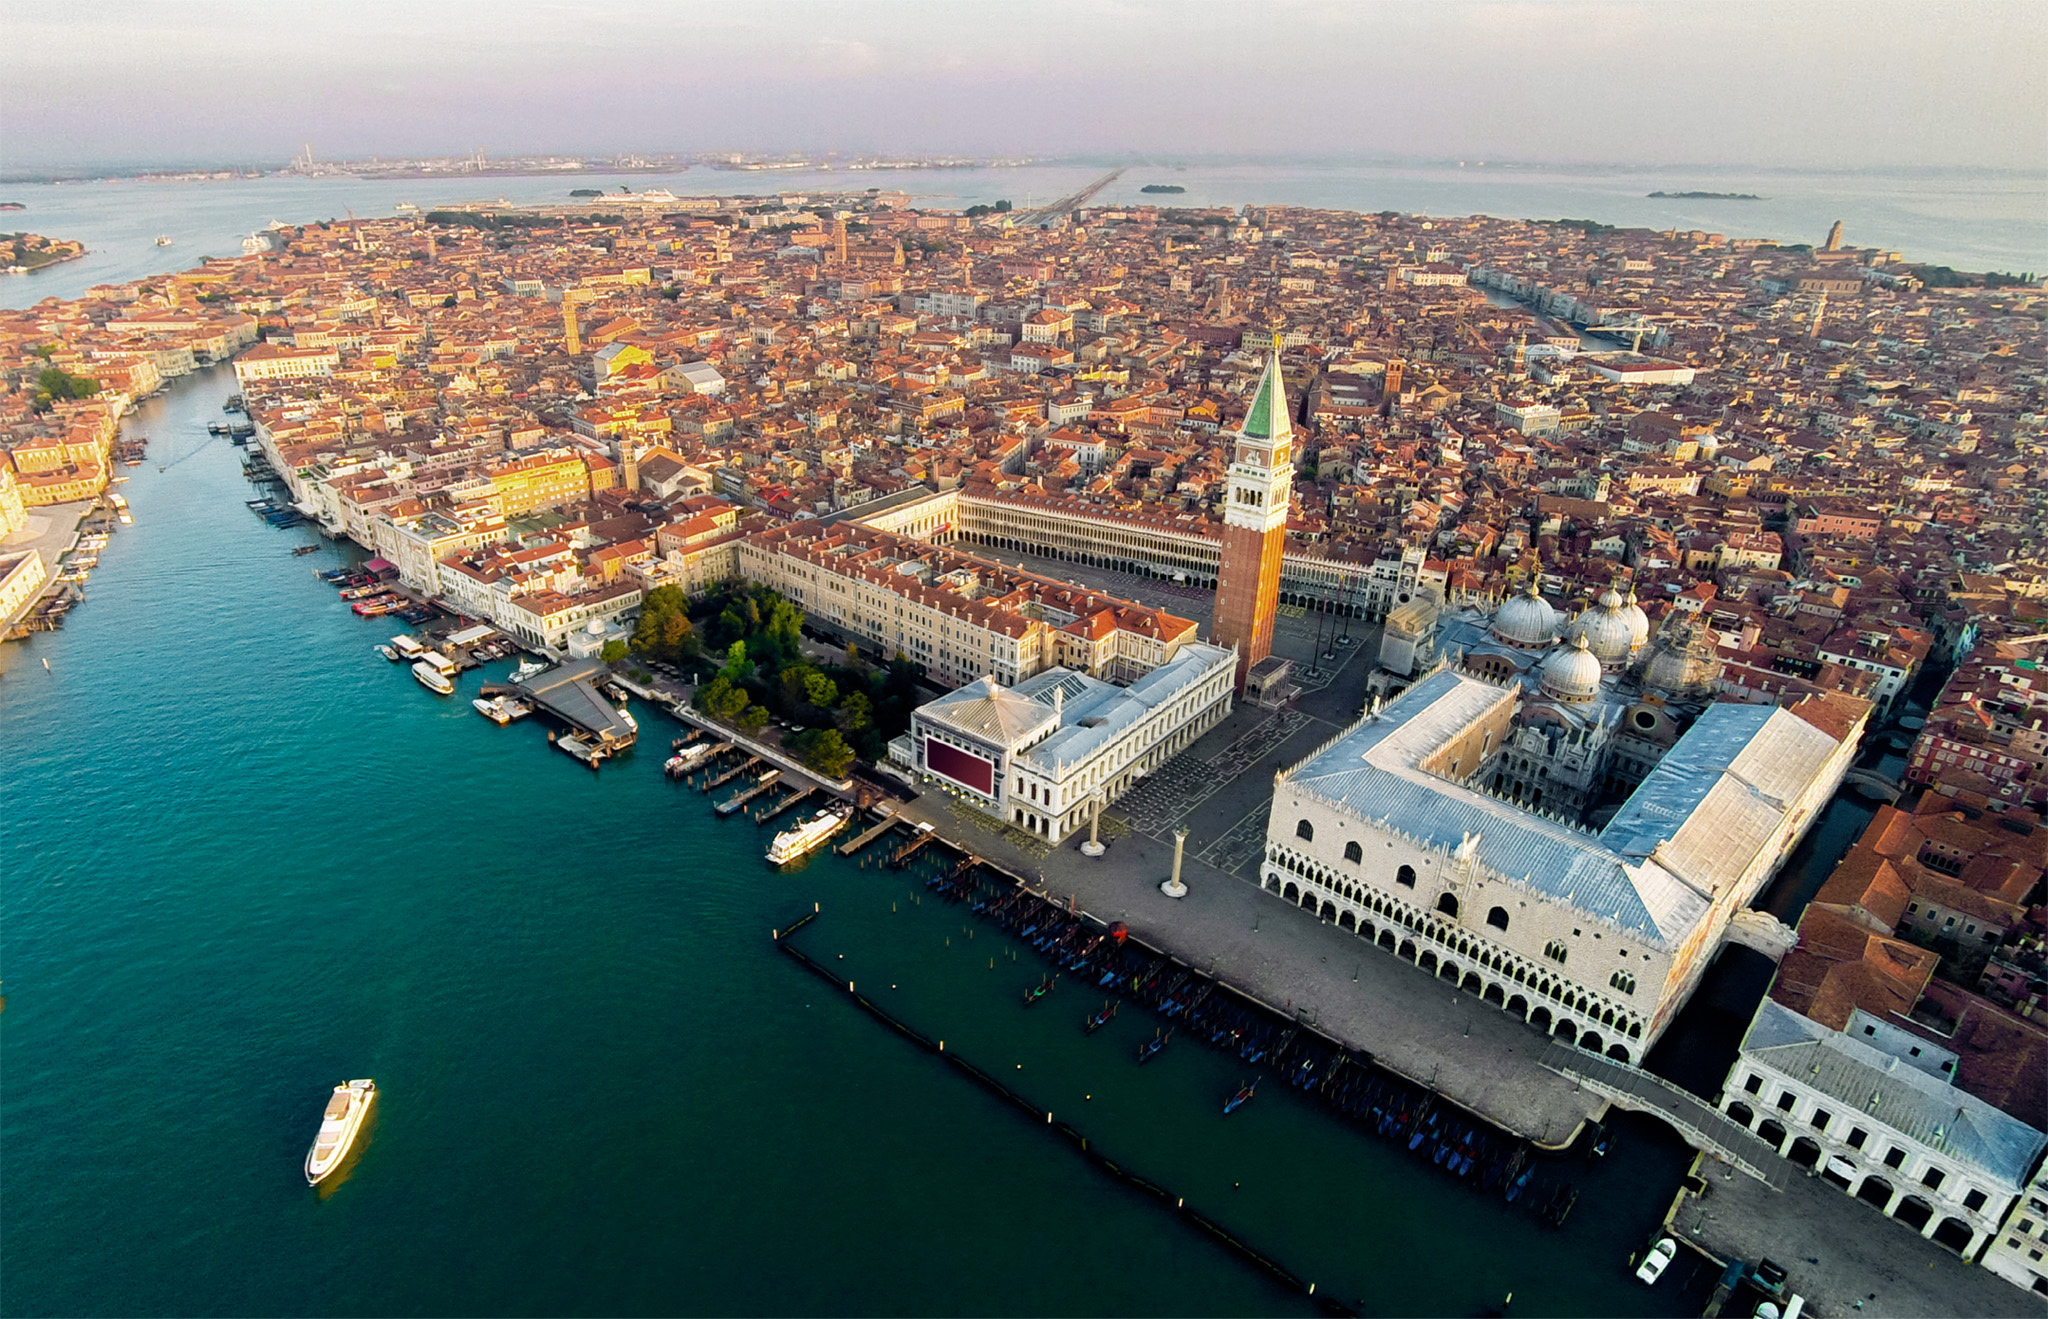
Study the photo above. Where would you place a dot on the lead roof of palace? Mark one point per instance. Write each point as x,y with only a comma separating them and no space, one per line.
1689,830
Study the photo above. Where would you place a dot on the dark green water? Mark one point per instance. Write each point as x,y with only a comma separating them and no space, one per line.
244,859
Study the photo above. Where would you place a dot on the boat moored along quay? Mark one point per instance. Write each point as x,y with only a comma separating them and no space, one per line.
807,837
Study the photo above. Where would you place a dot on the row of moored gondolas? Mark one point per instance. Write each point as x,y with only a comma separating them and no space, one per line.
1194,1006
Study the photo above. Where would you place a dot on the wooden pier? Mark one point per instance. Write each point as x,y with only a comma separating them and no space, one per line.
733,773
852,845
765,782
925,834
783,805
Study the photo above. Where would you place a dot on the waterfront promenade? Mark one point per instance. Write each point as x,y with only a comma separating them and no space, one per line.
1836,1250
1421,1027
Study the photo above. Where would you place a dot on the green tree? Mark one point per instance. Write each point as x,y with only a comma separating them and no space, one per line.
738,668
678,637
755,718
826,751
613,652
856,711
820,690
55,384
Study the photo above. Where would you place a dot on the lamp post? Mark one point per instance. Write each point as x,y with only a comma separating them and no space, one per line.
1173,888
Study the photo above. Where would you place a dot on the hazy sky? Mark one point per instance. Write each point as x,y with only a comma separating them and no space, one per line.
1799,82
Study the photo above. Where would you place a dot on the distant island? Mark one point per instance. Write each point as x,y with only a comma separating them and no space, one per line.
23,253
1162,187
1709,196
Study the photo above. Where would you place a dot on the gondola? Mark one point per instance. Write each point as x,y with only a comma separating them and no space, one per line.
1236,1101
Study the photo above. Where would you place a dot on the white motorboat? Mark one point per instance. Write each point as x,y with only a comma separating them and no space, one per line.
527,669
432,678
687,759
390,654
502,710
1659,1259
795,842
339,1125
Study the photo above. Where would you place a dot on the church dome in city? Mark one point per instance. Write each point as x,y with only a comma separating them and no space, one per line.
1572,673
1683,665
1526,620
1638,621
1607,630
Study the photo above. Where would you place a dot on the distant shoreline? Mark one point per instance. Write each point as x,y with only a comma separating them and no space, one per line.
1708,196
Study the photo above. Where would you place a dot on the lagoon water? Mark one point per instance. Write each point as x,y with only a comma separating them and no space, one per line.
245,859
1970,219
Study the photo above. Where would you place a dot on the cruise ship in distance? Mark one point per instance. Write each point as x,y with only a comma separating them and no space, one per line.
340,1123
794,842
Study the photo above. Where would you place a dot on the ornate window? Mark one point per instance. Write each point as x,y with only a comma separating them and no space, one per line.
1353,852
1405,876
1622,981
1448,905
1305,831
1555,951
1497,918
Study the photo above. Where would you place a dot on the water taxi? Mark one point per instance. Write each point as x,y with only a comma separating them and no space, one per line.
390,654
339,1125
806,837
432,678
1656,1261
502,710
120,503
687,759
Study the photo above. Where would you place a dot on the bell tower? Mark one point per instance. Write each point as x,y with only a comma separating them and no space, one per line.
1255,504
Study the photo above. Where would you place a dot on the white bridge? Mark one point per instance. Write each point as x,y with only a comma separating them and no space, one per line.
1703,1126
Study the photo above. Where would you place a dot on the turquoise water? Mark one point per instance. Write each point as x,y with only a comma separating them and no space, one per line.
245,859
1970,219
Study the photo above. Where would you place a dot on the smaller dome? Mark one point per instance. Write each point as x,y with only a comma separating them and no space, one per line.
1526,620
1638,621
1606,630
1572,674
1683,666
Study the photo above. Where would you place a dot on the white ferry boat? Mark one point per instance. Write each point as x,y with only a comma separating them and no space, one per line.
795,842
502,710
339,1125
687,759
432,678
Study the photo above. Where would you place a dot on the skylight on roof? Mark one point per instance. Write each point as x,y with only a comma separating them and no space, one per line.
1073,685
